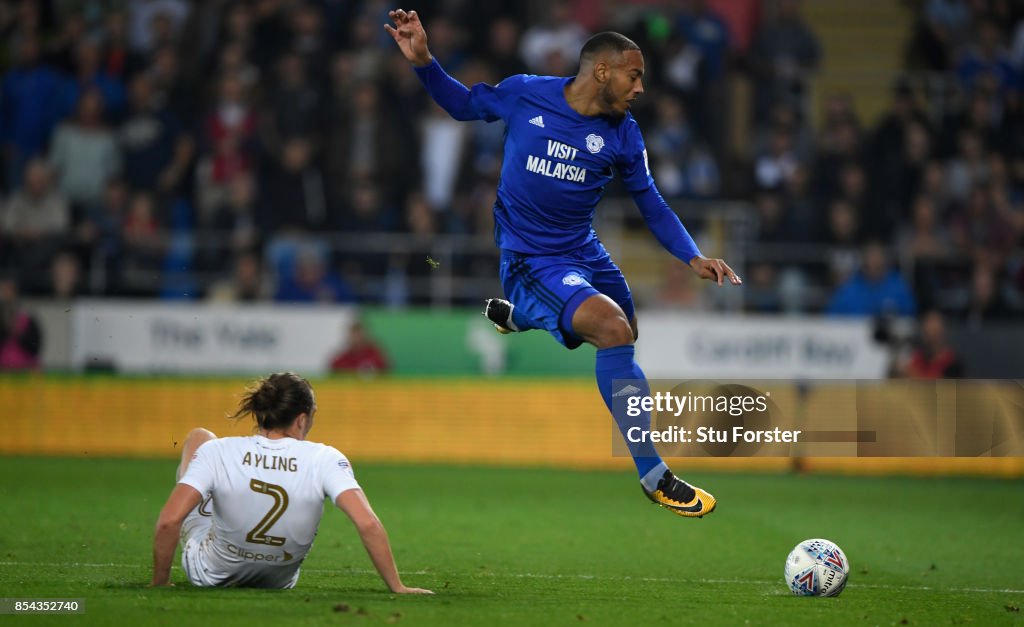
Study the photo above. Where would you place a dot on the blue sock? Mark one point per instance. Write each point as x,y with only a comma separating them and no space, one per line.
618,363
521,321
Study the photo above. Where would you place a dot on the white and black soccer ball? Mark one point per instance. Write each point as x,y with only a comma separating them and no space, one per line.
817,568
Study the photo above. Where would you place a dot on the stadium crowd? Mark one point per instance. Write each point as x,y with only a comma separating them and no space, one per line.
249,150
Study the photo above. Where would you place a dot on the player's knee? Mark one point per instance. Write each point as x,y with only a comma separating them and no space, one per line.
614,332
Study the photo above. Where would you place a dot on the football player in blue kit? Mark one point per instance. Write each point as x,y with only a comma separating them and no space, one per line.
564,138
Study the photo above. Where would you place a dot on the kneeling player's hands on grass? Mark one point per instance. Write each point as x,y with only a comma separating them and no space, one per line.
408,590
714,270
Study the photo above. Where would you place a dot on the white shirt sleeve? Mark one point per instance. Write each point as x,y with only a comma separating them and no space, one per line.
337,473
200,472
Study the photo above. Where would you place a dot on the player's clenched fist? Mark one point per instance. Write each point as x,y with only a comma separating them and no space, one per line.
408,33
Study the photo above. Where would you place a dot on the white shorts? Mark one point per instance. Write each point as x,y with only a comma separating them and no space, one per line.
195,530
201,568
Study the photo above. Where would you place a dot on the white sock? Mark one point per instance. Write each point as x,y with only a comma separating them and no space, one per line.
653,476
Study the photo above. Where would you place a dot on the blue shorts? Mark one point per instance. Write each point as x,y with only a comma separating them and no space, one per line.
548,289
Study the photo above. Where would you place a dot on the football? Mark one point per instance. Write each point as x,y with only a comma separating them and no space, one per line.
817,568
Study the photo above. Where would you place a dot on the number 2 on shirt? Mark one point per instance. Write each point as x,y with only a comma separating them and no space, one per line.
258,534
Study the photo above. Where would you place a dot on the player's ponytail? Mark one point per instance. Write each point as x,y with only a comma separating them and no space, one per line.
276,401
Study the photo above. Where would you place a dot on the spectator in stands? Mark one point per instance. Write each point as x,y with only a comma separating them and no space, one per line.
309,40
70,29
502,48
875,290
234,62
987,64
941,30
233,221
987,303
702,26
66,281
100,233
925,237
980,230
312,282
887,145
361,143
30,107
775,166
36,220
934,358
157,153
784,54
246,285
292,193
443,147
934,187
153,21
85,153
361,355
235,215
968,168
844,238
799,206
295,107
230,132
144,245
550,46
853,189
421,225
117,59
21,339
89,74
170,88
683,166
773,224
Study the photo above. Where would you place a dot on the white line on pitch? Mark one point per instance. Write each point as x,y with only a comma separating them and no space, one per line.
731,582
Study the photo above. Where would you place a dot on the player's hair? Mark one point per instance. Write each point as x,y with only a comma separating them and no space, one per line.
276,401
606,41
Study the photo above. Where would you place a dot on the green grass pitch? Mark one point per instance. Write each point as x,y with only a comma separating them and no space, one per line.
539,547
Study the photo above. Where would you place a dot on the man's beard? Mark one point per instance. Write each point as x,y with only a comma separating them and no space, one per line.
611,101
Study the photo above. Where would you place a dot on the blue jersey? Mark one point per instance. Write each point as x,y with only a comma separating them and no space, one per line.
557,163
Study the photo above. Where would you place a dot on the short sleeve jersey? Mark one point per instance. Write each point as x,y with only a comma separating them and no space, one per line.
557,163
267,498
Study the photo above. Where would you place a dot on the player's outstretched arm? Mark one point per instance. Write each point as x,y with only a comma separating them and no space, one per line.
408,33
669,230
483,102
375,539
184,498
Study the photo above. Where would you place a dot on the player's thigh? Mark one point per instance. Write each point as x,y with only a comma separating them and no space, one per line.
547,290
194,530
607,278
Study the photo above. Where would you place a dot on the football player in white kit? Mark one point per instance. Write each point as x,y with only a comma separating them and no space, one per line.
247,509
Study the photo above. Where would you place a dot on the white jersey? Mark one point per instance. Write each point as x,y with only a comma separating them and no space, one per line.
263,500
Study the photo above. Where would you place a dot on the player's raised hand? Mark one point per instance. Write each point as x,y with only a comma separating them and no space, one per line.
408,33
714,270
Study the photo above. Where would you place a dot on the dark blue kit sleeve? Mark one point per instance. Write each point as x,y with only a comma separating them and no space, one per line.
665,224
482,102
